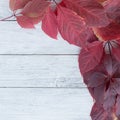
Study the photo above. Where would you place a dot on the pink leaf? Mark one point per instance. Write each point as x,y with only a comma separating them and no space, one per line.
91,10
72,27
36,8
25,22
17,4
49,24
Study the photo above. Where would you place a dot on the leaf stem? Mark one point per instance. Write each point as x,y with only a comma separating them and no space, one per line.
55,2
4,19
109,47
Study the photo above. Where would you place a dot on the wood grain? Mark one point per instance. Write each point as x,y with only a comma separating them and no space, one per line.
40,71
45,104
16,40
4,9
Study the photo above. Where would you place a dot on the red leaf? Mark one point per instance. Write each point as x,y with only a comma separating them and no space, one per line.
49,24
116,53
108,63
91,10
118,106
25,22
101,1
110,32
36,8
117,82
91,91
99,93
97,112
92,38
113,9
89,59
17,4
109,99
96,79
72,27
35,20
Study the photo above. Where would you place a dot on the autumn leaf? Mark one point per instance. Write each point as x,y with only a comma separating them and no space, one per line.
17,4
24,22
110,32
49,24
97,112
91,10
118,106
116,53
72,27
101,1
112,8
96,79
36,8
110,98
91,57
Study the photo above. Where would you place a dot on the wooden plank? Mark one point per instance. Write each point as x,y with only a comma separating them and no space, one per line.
40,71
45,104
4,9
16,40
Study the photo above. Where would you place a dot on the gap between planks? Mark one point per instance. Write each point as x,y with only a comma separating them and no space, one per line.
38,54
45,87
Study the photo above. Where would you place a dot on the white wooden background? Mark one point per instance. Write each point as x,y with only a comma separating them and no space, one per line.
39,76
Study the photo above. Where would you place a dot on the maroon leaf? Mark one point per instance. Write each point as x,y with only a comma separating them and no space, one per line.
96,79
113,9
24,22
49,24
117,84
91,91
108,64
72,27
118,106
109,99
90,58
91,10
99,93
97,112
116,53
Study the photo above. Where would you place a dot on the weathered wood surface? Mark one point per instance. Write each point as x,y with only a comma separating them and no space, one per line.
4,9
40,71
39,76
44,104
16,40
